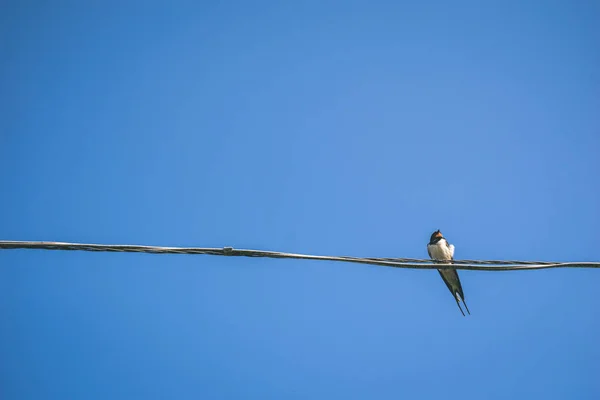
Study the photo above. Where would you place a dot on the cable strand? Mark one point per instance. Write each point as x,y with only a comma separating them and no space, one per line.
412,263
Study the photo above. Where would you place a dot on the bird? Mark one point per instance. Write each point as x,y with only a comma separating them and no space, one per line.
440,250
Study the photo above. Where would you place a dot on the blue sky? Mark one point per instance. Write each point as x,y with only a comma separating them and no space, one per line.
339,128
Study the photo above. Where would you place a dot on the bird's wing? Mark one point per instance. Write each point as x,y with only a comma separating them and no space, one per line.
451,248
452,281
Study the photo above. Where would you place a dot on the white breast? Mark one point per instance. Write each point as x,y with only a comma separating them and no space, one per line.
441,250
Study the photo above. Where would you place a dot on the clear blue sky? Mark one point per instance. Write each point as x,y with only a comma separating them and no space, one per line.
339,128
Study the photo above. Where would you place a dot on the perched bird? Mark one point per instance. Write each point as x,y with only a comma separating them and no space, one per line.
441,251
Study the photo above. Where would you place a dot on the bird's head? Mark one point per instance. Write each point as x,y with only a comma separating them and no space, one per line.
435,235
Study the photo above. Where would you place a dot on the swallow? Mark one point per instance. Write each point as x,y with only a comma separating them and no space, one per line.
440,250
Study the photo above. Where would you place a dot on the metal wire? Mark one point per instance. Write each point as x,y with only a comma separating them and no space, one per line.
413,263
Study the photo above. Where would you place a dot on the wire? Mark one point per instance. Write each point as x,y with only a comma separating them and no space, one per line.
413,263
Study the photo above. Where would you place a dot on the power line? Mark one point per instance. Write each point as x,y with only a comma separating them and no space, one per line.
413,263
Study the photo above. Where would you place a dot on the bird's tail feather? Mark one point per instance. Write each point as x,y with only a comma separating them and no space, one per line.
459,298
466,307
460,308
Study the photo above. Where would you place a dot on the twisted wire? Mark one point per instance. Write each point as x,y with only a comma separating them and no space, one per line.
413,263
